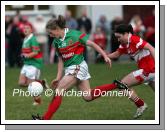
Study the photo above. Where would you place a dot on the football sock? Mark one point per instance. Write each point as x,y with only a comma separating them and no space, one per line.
138,102
53,106
96,92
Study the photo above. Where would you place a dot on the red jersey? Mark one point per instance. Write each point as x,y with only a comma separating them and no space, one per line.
100,39
135,48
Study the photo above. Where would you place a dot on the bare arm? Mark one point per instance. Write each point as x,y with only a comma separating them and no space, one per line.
114,55
151,49
98,49
30,55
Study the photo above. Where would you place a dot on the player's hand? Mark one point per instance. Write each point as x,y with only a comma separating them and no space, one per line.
22,56
107,60
54,83
25,56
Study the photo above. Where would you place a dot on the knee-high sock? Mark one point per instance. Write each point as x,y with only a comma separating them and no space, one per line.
95,93
138,102
53,106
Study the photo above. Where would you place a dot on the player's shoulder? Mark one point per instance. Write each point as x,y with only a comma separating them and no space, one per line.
135,38
74,32
33,38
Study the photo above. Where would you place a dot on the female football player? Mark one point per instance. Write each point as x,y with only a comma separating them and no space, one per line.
32,59
144,54
70,45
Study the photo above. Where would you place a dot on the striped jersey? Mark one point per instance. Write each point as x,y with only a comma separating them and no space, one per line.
135,48
71,47
30,44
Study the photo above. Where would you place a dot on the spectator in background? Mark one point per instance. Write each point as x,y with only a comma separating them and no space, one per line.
84,23
39,26
15,40
114,41
85,26
149,23
103,23
70,21
8,22
137,25
100,38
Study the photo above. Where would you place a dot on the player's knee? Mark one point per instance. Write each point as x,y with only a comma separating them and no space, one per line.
22,83
59,91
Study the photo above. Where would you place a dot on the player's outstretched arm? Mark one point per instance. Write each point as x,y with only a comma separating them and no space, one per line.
151,49
30,55
98,49
114,55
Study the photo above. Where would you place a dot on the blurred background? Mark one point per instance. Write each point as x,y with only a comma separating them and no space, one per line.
97,20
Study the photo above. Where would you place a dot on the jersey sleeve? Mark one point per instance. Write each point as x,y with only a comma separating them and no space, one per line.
83,38
35,45
139,42
121,50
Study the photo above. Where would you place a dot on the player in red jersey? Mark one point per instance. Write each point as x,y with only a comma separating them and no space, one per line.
144,55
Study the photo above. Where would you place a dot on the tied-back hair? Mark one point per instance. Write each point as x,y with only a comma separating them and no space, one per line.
123,28
54,23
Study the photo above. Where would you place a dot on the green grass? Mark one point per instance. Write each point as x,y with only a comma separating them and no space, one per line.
75,108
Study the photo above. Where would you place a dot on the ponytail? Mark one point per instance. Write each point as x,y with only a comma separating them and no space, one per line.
61,22
130,28
56,22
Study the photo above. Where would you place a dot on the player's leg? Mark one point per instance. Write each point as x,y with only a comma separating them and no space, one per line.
32,74
84,86
151,78
133,79
65,83
96,92
23,77
22,80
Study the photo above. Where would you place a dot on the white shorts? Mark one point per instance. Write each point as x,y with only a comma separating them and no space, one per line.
79,71
138,74
30,72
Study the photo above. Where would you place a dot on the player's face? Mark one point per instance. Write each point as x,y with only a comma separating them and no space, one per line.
122,38
27,30
54,33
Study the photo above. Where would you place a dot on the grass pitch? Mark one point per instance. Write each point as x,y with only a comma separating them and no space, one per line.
75,108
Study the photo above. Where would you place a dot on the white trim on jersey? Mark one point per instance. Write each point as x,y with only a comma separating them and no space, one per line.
141,54
65,31
27,38
139,43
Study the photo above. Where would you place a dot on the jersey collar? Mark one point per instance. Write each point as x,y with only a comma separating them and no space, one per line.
65,32
27,38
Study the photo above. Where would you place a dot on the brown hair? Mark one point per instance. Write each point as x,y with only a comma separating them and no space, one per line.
56,22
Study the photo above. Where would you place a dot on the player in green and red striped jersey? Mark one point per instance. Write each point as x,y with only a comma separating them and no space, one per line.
70,45
32,59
